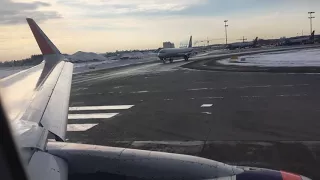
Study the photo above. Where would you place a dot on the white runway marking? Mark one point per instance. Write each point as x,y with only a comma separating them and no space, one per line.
85,127
117,87
139,92
262,86
86,108
246,87
198,89
92,116
207,105
208,113
291,95
213,97
253,96
79,127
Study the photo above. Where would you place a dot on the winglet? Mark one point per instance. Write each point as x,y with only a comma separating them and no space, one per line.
45,45
190,42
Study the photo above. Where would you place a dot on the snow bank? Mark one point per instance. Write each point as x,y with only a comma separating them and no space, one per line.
86,56
132,55
300,58
136,55
92,66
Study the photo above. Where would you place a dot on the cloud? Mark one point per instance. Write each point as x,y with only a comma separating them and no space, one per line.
16,12
127,7
166,8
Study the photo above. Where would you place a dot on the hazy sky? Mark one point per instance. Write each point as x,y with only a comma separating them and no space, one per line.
108,25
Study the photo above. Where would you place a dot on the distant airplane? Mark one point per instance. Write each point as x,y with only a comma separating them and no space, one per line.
300,40
170,53
240,45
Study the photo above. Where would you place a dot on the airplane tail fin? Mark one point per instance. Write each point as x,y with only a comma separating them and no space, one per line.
312,35
255,41
190,42
45,45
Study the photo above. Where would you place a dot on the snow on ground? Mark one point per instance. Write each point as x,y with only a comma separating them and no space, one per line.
218,51
93,66
132,55
88,61
295,58
86,56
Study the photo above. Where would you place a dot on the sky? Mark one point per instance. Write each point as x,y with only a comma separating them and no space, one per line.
108,25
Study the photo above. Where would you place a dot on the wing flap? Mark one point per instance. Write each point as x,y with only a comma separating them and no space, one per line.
50,104
35,110
55,122
30,134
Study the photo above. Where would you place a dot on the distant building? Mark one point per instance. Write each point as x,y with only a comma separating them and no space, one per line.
168,45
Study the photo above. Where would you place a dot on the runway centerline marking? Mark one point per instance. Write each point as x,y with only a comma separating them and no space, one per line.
86,108
92,116
247,87
79,127
213,97
139,92
207,105
198,89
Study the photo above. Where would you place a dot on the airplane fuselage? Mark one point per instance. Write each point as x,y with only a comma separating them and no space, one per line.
240,45
297,41
174,52
300,40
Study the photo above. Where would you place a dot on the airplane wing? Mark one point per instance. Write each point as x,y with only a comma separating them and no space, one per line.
37,100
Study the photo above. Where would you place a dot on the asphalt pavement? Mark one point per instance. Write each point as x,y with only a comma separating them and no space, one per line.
206,112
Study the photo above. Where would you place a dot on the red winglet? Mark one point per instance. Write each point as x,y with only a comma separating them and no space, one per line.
46,46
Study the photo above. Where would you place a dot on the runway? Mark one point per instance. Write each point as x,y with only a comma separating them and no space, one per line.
168,104
171,106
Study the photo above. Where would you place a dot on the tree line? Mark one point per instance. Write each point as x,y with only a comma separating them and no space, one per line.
33,60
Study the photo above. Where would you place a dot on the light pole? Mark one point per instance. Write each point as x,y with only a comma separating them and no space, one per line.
311,17
225,27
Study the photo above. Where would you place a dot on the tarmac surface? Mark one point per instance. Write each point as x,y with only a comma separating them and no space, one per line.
244,118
